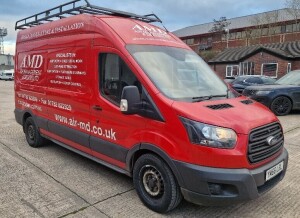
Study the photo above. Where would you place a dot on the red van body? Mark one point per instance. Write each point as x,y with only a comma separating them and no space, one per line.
67,89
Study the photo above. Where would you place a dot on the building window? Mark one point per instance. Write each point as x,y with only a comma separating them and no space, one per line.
209,40
232,70
296,27
244,34
277,29
255,33
239,35
232,36
269,69
190,41
289,68
289,28
265,31
223,37
246,68
283,29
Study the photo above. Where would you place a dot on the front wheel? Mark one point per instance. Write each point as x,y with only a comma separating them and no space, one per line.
281,105
155,184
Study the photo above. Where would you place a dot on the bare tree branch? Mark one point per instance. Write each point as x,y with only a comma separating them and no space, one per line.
220,25
294,9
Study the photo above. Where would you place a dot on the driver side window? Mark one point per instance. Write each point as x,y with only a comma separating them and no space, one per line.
114,76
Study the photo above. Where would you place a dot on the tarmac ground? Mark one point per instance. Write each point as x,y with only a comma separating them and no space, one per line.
54,182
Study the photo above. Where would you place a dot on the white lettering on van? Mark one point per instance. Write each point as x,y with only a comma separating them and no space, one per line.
28,105
53,31
86,126
150,31
34,61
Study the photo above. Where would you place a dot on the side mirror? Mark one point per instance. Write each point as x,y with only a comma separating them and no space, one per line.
130,100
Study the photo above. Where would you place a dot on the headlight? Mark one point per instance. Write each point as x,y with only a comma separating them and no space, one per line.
263,92
208,135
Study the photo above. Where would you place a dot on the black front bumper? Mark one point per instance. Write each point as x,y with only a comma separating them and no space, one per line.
216,187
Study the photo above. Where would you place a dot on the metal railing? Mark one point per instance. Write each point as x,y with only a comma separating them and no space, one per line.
72,8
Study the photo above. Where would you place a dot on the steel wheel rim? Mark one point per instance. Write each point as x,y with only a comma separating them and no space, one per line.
152,181
31,132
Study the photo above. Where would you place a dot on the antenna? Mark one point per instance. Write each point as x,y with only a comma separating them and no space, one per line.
3,32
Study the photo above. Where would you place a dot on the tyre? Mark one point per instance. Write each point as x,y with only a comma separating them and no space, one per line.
155,184
32,133
281,105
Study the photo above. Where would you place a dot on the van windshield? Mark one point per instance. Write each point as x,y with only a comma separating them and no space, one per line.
178,73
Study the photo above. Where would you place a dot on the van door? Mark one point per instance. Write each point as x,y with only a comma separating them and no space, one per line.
68,97
113,133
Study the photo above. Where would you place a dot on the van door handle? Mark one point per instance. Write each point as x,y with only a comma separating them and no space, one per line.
97,108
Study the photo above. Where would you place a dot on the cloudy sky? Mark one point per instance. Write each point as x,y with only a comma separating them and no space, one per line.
175,14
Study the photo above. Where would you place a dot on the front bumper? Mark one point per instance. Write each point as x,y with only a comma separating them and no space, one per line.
216,187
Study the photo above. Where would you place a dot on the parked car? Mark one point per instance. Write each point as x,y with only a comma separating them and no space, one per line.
229,80
241,82
7,75
282,97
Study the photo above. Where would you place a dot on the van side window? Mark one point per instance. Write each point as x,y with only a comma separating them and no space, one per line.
114,76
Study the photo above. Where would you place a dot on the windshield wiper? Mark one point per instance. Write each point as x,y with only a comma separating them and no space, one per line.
204,98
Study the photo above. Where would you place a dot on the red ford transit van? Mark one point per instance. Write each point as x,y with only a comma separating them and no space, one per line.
132,96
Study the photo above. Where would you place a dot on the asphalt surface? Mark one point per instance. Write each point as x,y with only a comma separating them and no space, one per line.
54,182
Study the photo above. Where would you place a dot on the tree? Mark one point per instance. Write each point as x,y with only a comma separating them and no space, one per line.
220,25
294,5
207,55
269,21
259,23
294,9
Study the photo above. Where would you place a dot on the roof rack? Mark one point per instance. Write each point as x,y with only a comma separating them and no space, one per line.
72,8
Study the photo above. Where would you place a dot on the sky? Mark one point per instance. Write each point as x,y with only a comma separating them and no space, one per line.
175,14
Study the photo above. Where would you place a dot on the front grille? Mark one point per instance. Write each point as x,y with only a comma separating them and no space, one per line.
219,106
259,148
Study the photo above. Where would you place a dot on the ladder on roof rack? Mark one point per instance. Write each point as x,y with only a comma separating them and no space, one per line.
72,8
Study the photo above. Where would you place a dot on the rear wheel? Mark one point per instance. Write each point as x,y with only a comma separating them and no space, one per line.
281,105
156,184
32,133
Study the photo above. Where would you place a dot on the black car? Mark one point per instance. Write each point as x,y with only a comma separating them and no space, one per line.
229,80
241,82
282,97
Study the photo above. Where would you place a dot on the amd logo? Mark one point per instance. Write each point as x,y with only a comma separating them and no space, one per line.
150,31
139,28
34,61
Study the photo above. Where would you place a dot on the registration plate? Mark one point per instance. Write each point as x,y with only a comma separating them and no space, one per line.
272,172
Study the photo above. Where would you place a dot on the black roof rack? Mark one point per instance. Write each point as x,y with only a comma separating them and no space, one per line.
72,8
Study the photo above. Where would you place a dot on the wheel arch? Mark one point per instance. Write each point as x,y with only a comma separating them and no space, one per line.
283,95
24,116
145,148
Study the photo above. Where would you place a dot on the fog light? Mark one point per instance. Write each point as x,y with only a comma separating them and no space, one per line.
215,189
